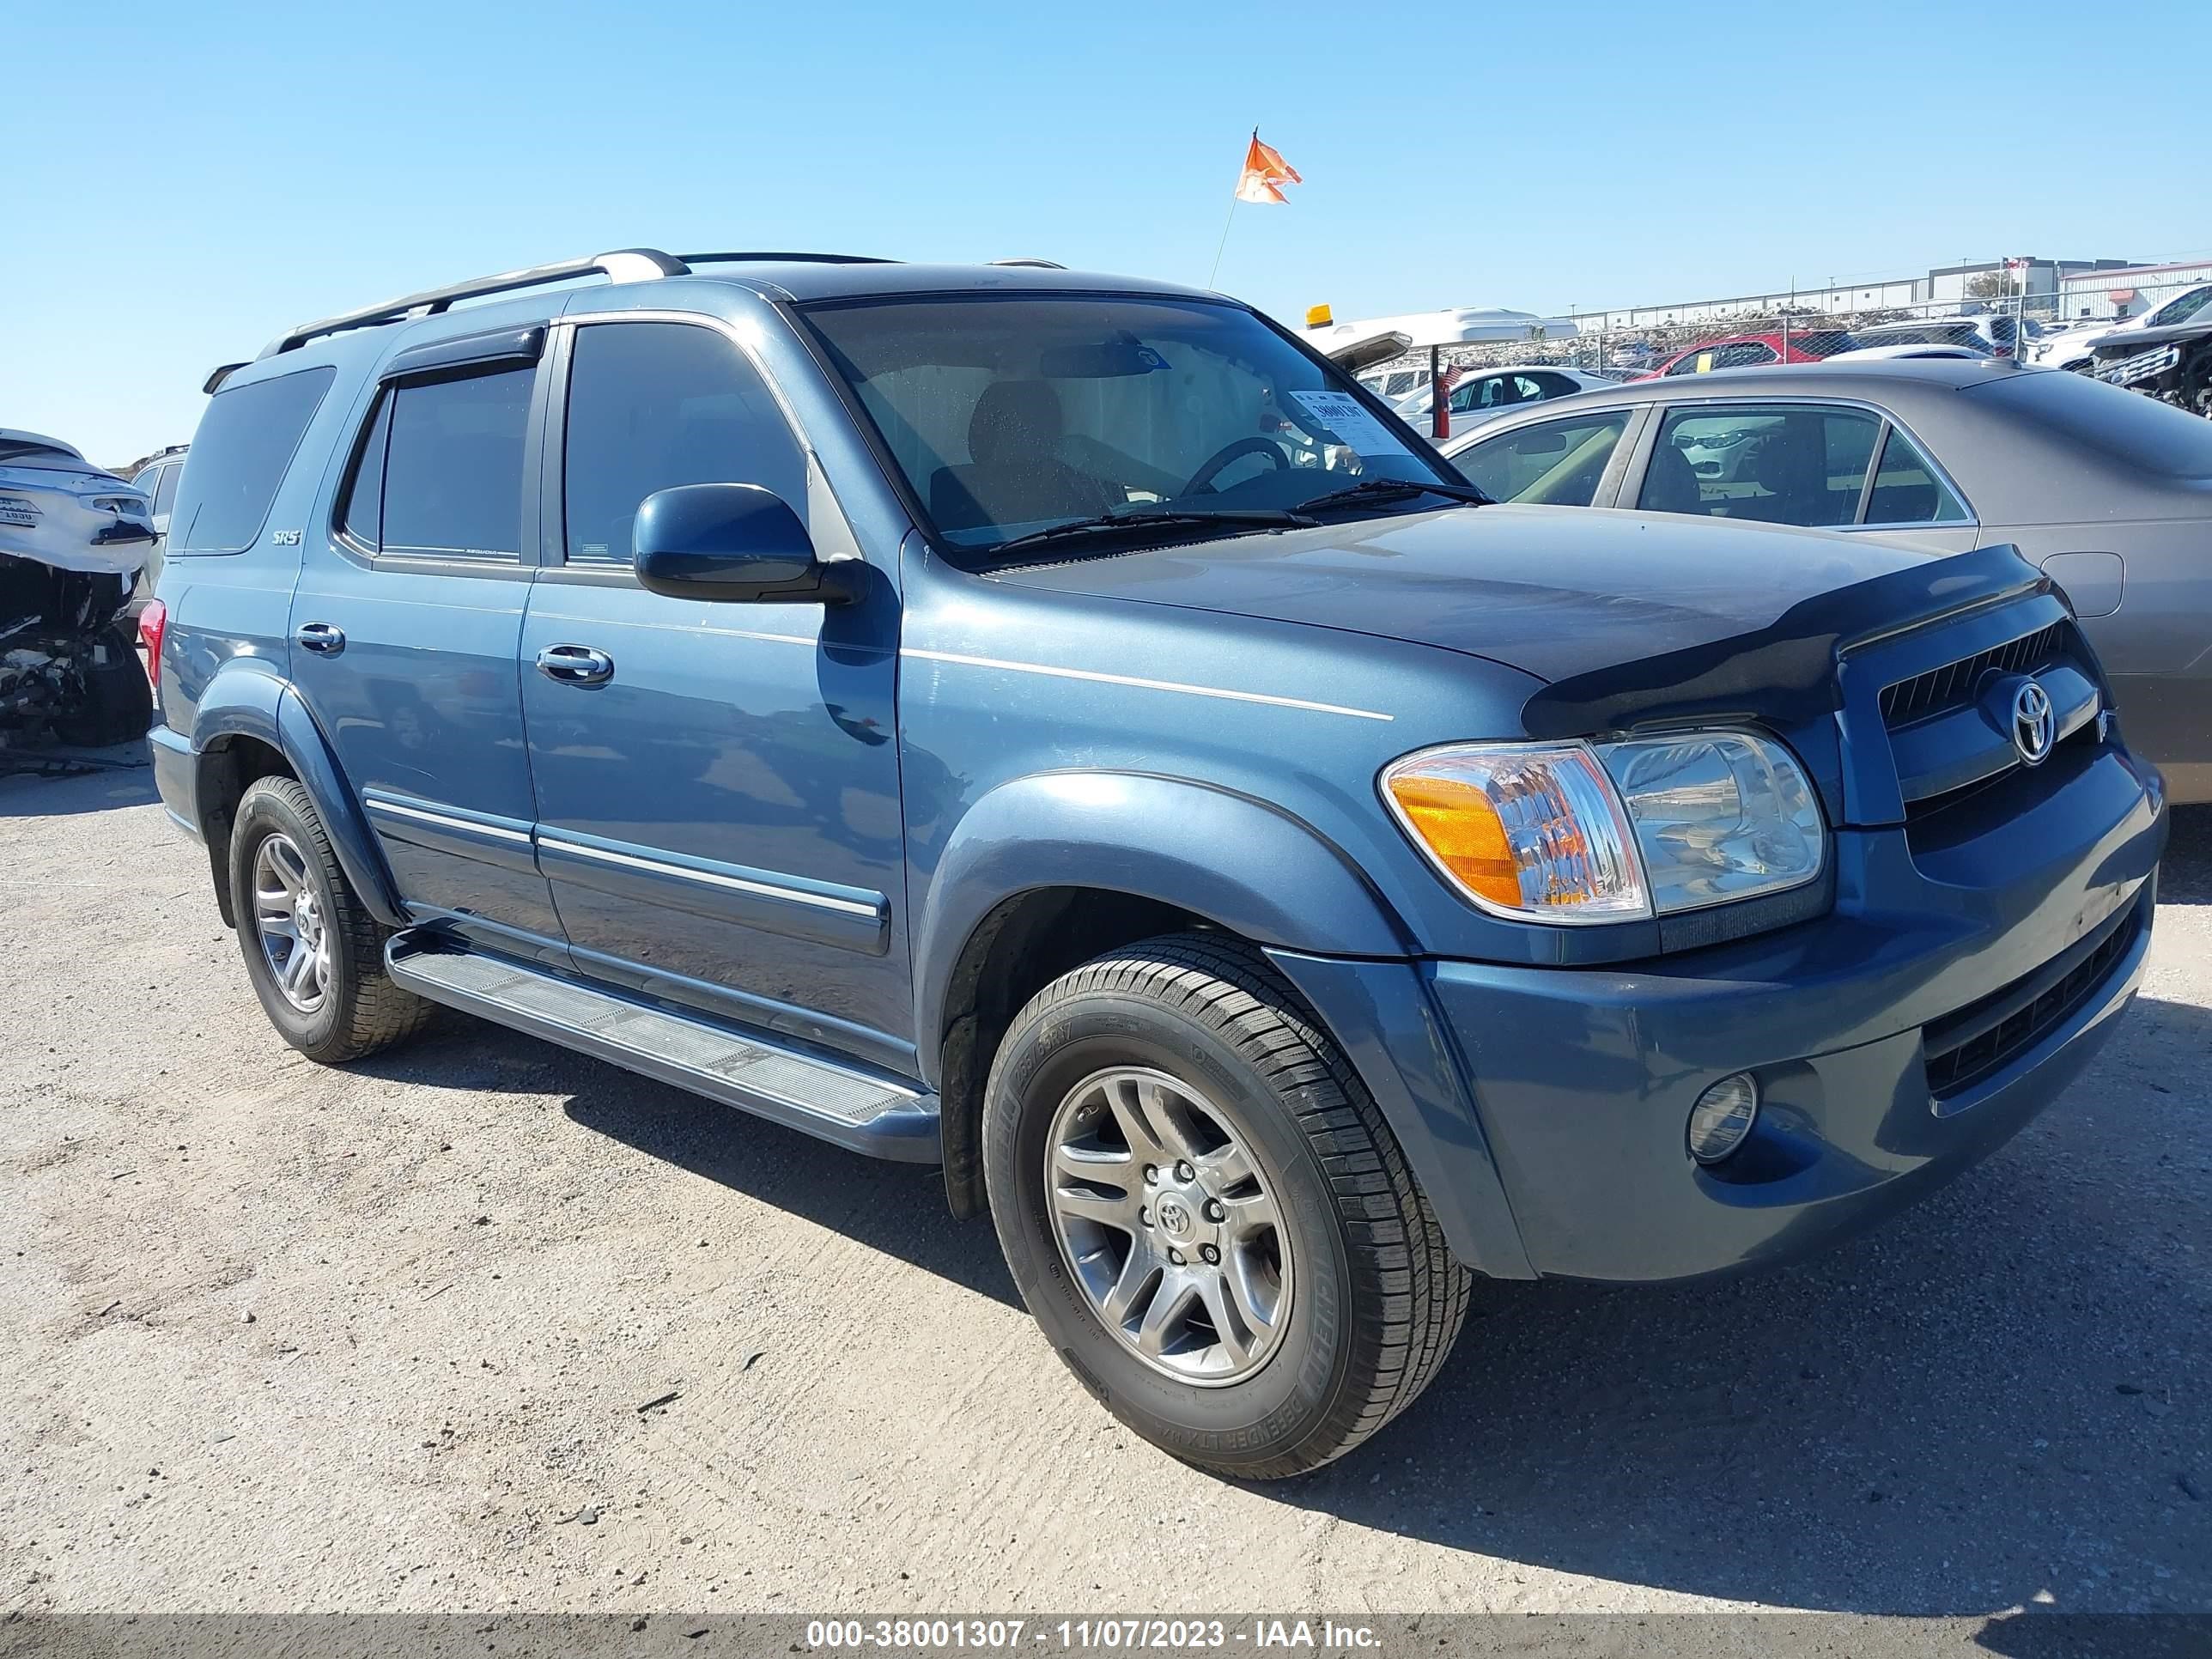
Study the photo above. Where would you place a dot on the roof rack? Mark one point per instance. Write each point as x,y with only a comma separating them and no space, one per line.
1034,265
784,259
633,264
629,264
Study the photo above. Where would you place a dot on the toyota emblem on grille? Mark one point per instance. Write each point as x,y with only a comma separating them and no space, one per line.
2033,724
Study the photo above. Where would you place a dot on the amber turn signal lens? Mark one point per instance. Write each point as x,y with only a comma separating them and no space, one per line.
1531,831
1462,830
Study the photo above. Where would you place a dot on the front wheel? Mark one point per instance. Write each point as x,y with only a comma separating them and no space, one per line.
1206,1213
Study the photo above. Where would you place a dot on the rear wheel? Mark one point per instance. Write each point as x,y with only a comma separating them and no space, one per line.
1206,1213
313,951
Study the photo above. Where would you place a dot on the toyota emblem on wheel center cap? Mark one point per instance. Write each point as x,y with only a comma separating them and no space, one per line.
2033,726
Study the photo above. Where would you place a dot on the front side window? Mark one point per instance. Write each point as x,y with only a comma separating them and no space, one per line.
1770,464
1555,463
165,493
1012,414
653,405
440,473
240,455
2181,310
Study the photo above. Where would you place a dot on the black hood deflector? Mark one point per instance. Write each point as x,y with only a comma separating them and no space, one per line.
1784,673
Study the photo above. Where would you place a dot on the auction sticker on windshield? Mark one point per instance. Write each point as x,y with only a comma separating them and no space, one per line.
1348,421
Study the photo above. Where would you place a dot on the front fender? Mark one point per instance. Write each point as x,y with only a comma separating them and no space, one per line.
256,703
1244,864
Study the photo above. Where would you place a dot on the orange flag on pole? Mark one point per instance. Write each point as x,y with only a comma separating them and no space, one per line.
1265,174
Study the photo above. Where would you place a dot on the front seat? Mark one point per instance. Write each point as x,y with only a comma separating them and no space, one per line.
1670,485
1793,469
1014,474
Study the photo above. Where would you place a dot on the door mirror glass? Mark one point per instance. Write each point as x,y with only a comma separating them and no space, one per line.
734,542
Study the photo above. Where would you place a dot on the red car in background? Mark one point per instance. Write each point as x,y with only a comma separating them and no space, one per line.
1748,351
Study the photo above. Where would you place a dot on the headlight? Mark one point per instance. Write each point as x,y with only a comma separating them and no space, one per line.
132,507
1718,816
1611,832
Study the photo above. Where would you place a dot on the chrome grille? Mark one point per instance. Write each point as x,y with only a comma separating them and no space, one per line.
1945,688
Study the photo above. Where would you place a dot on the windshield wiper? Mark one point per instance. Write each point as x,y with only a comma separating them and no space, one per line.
1104,524
1386,489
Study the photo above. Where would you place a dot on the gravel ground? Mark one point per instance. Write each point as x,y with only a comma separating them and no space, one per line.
277,1337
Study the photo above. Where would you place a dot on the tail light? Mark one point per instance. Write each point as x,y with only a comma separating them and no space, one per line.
152,623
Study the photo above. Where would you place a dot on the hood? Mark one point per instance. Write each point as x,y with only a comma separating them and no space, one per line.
1555,591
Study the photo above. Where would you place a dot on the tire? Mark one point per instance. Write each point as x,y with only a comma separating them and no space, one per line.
356,1009
119,704
1374,1297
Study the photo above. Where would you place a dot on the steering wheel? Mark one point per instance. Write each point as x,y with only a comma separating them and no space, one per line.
1203,478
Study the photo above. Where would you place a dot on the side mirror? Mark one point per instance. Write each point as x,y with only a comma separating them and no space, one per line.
734,542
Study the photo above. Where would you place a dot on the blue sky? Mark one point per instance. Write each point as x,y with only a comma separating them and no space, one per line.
189,178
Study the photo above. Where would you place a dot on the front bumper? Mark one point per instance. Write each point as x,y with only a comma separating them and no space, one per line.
1545,1110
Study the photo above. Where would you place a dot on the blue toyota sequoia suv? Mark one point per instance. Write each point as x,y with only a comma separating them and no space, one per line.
1062,729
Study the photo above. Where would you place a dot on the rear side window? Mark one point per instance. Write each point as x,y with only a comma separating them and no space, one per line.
1908,490
653,405
239,456
1744,354
439,474
1557,463
165,497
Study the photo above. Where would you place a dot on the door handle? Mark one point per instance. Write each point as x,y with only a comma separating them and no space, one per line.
575,664
319,637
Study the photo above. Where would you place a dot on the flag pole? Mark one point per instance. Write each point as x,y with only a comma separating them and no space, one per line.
1219,247
1223,243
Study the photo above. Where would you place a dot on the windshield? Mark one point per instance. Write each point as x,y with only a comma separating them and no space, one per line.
1010,414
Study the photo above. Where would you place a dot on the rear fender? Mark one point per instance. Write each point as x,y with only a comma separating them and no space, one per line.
250,701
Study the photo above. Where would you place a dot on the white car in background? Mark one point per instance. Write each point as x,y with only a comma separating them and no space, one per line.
2076,348
1892,353
1993,334
1484,394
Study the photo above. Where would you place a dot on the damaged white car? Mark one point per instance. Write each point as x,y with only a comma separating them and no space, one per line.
72,541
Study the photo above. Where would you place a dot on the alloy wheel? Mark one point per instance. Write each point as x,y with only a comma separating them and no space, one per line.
1167,1222
288,917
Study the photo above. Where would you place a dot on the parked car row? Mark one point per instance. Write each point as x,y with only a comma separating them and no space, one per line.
2109,493
2076,348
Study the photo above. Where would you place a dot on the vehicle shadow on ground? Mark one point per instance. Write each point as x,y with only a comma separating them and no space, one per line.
1999,1396
126,780
2186,876
896,1208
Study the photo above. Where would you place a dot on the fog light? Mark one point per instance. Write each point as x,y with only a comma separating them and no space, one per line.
1723,1117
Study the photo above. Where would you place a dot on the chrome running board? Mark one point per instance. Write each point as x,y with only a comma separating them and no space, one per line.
846,1105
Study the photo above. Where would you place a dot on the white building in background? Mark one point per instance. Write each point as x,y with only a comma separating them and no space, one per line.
2127,290
1942,285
